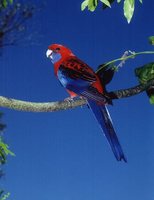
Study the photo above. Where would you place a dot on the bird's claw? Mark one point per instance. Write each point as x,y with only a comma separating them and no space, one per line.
82,98
69,99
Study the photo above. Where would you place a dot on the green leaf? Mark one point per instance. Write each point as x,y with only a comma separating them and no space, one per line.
152,99
84,4
129,9
92,5
145,72
10,1
105,6
5,196
106,2
140,1
4,3
151,40
118,1
4,148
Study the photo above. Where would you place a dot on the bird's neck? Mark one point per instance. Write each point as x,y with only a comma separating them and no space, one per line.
56,67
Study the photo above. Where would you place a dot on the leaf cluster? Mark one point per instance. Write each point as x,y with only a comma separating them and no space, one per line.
5,3
3,195
4,152
128,6
4,148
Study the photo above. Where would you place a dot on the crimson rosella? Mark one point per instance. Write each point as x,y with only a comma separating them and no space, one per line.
80,80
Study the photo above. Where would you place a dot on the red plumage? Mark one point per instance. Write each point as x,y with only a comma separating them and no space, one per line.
72,62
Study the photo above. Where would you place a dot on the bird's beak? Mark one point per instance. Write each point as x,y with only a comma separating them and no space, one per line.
49,53
53,56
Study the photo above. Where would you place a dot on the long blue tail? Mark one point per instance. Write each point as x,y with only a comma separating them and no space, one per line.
103,117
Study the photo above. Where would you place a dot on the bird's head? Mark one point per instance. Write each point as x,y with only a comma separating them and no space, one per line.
57,52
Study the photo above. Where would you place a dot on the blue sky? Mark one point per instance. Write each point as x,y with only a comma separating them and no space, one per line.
64,155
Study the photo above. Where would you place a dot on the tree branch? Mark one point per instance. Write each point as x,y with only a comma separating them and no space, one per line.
39,107
63,105
118,94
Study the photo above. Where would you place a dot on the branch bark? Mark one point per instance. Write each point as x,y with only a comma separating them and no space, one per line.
39,107
63,105
118,94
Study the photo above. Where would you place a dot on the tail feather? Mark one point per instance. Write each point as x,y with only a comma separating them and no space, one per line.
103,117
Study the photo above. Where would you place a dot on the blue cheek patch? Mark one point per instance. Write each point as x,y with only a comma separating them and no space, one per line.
55,57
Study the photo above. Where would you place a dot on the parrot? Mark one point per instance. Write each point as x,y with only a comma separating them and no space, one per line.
80,80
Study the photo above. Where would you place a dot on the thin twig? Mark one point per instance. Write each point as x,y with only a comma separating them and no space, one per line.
133,54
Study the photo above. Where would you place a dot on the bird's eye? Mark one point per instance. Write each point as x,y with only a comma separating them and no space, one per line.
57,49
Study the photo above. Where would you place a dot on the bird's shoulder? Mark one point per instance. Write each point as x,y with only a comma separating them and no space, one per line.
75,64
77,69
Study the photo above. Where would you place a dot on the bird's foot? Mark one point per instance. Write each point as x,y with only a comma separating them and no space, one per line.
82,98
69,99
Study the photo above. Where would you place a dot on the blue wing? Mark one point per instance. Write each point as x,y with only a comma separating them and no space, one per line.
80,82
